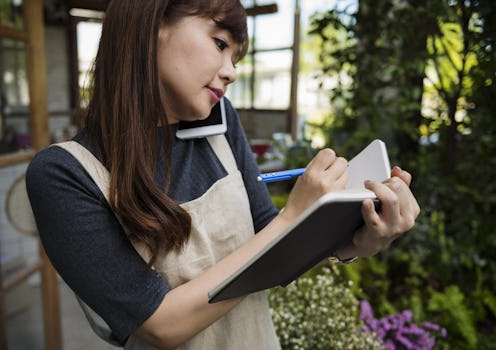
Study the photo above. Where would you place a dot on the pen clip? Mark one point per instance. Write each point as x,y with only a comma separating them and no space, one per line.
274,178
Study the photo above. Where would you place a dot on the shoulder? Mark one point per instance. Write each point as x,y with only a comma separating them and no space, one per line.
53,160
52,170
50,162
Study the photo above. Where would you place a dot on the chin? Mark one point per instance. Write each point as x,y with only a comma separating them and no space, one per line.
198,111
204,116
196,116
204,113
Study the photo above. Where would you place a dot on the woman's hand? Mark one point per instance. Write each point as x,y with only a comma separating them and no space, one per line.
399,209
325,173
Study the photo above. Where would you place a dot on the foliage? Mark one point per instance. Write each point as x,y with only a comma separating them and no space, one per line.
378,61
319,312
279,199
10,14
294,154
421,76
451,304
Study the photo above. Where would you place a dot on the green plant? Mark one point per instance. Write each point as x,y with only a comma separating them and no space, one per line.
318,311
279,199
420,75
451,304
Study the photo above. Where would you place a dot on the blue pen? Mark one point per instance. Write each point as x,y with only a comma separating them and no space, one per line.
281,175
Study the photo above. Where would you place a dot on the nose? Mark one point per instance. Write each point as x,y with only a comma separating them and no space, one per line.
228,71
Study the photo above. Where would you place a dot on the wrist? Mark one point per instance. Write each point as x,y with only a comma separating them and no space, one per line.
347,252
287,214
336,259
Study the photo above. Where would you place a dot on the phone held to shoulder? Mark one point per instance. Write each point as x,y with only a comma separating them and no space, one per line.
214,124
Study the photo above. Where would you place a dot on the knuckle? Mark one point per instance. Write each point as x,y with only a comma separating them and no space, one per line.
395,180
408,176
358,240
394,201
324,187
398,230
409,223
395,184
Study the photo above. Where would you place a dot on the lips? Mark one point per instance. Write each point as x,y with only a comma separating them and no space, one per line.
215,93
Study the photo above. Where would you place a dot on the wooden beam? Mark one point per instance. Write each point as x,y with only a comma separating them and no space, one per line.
102,6
94,5
37,76
13,33
51,303
72,46
20,277
295,68
19,157
261,10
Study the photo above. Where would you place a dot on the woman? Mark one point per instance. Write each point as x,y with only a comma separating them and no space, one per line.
181,214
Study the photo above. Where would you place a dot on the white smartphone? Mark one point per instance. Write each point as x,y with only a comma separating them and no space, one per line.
214,124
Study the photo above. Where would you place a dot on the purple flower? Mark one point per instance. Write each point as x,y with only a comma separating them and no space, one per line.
366,311
397,330
404,341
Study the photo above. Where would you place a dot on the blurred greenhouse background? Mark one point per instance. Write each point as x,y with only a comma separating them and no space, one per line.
418,74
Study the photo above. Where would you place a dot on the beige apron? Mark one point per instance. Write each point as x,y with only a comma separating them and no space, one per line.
221,222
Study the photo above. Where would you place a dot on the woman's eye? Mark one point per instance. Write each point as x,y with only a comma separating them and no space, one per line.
221,44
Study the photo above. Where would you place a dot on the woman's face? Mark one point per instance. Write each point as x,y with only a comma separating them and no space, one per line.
195,64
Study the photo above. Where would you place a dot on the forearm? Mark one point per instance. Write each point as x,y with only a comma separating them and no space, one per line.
185,310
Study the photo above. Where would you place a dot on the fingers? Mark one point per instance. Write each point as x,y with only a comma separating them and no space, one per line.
323,160
337,173
402,174
328,171
390,215
399,208
409,207
370,215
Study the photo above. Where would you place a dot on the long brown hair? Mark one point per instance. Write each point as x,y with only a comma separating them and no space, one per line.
127,106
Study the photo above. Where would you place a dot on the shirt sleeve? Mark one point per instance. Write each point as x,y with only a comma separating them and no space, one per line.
87,246
262,207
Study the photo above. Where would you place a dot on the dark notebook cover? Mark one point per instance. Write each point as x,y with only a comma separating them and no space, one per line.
326,227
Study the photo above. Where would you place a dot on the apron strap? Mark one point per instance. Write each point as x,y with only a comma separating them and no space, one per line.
223,151
90,163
